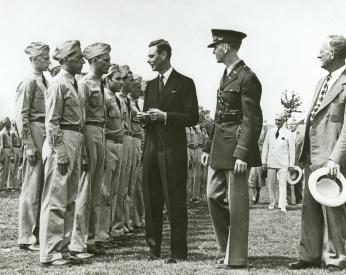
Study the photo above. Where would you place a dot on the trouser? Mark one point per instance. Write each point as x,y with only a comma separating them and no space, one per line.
13,180
138,205
230,220
32,184
191,153
58,198
297,191
135,165
88,210
323,231
281,175
109,188
204,181
125,172
197,169
5,167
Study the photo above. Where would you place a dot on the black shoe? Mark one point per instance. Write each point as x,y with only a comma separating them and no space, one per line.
96,251
220,261
333,268
30,247
171,261
73,259
224,266
300,264
106,245
152,258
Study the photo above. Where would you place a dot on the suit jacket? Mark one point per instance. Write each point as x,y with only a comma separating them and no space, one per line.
241,93
325,136
299,138
179,100
278,152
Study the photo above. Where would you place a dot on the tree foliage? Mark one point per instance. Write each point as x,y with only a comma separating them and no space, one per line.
291,102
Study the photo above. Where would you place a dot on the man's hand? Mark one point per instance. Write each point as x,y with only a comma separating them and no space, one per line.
205,159
240,166
141,116
333,169
156,114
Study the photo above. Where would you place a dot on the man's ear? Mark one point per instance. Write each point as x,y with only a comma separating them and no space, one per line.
164,55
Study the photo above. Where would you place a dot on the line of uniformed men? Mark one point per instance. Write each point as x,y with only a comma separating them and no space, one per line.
81,190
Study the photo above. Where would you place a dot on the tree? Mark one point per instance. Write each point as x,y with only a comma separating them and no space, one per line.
291,102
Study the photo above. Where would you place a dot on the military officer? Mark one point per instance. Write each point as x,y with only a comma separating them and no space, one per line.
88,211
232,148
62,151
120,224
13,181
30,116
6,153
115,112
137,132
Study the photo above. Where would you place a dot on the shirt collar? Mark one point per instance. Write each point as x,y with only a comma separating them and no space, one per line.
167,73
67,75
338,72
231,67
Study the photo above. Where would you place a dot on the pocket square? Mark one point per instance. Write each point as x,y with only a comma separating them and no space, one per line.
283,138
173,92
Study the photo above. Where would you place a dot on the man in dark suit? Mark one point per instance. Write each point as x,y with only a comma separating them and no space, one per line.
233,147
170,103
323,228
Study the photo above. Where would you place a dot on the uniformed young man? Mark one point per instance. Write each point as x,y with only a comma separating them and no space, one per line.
86,225
6,154
13,180
232,149
62,152
30,116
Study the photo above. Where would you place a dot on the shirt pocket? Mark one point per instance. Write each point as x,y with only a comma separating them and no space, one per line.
70,107
38,102
337,111
94,99
231,97
114,112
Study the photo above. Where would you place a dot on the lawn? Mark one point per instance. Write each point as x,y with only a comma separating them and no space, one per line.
273,242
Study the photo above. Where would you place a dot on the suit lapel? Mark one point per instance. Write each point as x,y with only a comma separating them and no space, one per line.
233,75
317,92
334,91
168,88
154,94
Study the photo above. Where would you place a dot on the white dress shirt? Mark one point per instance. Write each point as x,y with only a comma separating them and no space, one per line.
166,75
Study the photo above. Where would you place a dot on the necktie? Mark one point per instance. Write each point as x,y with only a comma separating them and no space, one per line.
102,88
136,104
161,83
321,97
224,75
44,81
277,133
75,85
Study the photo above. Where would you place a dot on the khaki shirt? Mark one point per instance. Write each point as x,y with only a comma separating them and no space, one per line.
64,106
90,84
115,114
30,106
127,119
15,138
136,126
5,142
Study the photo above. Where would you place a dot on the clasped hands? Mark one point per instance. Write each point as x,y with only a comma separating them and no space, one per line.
152,114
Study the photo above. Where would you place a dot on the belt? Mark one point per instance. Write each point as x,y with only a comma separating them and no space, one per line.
128,133
6,147
38,119
137,136
229,117
115,139
16,146
73,128
95,123
192,146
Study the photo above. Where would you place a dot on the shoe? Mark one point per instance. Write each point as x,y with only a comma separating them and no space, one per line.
220,261
119,238
82,255
283,210
30,247
106,245
300,264
271,207
58,262
73,259
152,258
333,268
171,261
224,266
96,251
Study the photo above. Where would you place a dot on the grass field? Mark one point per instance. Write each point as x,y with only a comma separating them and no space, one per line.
273,242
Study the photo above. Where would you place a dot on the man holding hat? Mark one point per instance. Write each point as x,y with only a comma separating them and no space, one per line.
30,117
323,228
115,113
232,149
88,211
62,152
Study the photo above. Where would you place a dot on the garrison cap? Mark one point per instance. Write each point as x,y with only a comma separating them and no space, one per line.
53,64
96,49
114,68
36,49
226,36
125,69
66,48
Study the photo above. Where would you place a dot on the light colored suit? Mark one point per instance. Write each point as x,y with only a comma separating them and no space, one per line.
279,154
323,228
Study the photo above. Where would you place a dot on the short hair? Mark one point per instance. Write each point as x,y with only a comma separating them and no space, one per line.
338,44
233,45
162,46
292,120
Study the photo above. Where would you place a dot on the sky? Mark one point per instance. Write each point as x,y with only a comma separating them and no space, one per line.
283,39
